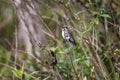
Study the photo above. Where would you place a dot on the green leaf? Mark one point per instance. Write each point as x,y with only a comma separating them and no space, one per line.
105,15
29,76
47,78
76,60
19,73
97,21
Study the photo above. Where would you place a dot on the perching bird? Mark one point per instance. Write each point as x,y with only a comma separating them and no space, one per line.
66,34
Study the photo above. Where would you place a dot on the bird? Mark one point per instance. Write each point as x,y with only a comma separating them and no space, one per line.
67,35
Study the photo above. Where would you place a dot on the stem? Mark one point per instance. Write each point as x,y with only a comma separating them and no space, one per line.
74,68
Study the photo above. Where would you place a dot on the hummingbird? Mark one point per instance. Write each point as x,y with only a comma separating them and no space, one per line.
67,35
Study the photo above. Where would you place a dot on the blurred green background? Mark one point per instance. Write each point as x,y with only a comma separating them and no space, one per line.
30,32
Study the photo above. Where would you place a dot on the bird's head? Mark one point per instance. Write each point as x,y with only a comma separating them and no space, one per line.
64,27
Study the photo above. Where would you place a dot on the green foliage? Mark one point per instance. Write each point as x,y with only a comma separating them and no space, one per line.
5,68
19,73
95,28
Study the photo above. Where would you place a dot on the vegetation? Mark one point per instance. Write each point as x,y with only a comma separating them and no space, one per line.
32,47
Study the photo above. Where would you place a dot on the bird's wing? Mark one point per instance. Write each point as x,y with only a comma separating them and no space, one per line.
72,40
